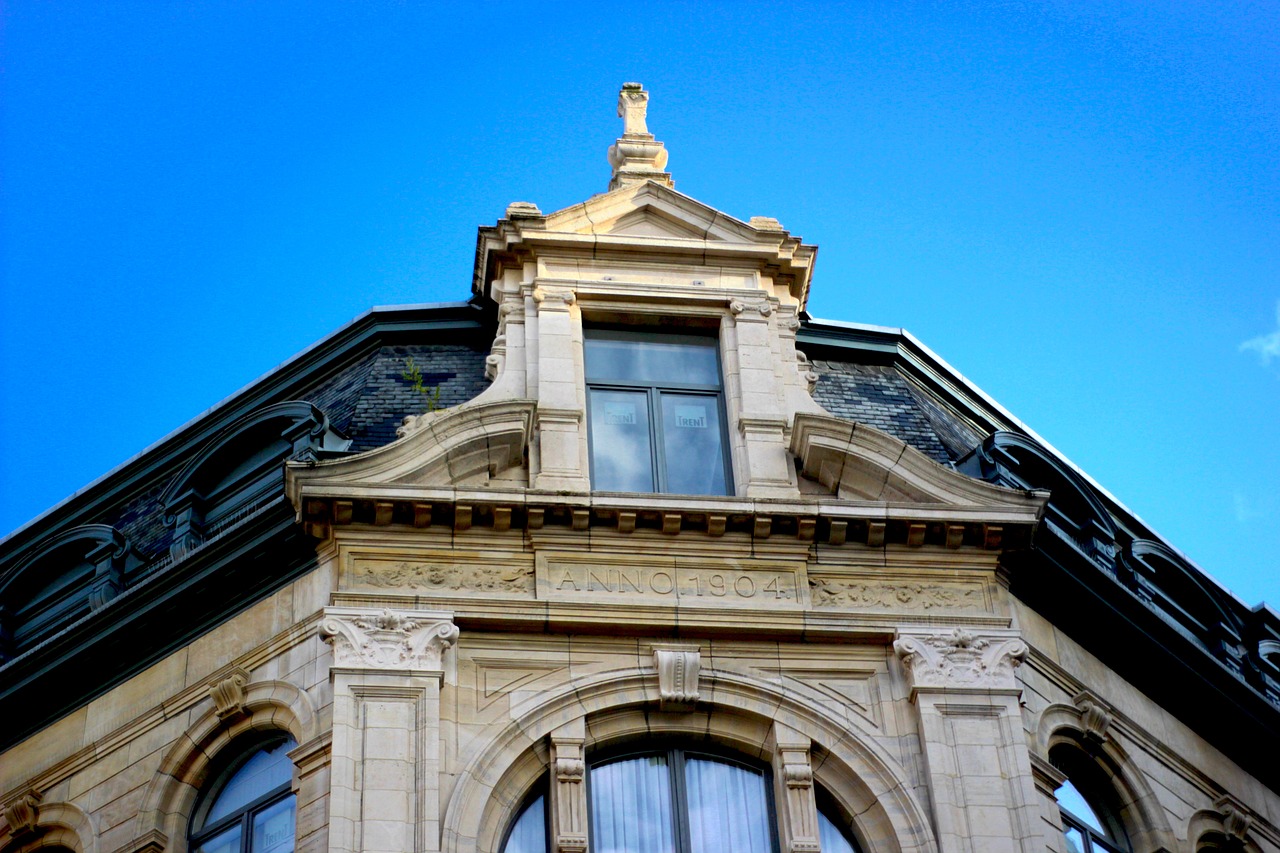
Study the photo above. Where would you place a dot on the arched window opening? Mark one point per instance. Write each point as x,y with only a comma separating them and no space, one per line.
1086,804
834,835
250,807
529,832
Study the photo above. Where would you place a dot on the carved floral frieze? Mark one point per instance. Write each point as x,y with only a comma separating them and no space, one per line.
858,595
961,659
388,639
454,578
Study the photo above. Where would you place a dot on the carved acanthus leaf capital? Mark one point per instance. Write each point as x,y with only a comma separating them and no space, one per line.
388,639
961,659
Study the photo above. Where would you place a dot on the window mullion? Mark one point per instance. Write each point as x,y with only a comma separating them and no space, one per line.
656,436
680,794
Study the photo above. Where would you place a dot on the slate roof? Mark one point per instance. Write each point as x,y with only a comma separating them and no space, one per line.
880,396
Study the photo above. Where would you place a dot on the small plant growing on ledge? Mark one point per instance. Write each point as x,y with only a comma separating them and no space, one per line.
413,375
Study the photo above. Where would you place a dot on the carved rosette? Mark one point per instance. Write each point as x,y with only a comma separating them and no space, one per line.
961,659
677,675
390,639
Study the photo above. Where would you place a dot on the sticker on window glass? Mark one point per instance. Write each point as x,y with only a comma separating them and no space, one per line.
620,414
691,417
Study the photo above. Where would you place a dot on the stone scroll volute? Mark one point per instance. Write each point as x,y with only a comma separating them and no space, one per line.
388,639
961,659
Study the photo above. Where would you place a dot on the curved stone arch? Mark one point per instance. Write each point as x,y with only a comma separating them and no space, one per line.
62,825
1207,831
737,710
444,448
1144,819
268,706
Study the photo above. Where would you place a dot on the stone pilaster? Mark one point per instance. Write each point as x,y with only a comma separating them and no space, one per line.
979,768
561,428
568,792
385,778
793,790
763,466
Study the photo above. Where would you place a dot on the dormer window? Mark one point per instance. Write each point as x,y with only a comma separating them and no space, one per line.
655,405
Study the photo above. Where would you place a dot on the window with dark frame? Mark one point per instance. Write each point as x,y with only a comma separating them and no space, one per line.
674,800
1089,821
655,409
250,808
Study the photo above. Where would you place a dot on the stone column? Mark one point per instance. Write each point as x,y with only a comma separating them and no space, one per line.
793,790
568,793
385,777
976,756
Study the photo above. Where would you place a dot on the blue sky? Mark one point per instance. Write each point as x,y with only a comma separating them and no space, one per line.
1076,204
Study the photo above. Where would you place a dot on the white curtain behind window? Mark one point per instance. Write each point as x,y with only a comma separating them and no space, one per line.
728,808
631,806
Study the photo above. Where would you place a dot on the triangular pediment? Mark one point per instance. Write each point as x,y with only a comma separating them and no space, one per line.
654,210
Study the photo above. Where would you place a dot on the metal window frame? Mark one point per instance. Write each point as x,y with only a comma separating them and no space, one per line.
653,398
245,814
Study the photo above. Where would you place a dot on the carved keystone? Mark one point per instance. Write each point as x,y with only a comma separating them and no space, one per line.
1236,820
677,675
1095,715
390,639
962,660
22,813
228,694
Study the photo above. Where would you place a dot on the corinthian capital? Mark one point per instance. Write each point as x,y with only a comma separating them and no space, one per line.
961,659
388,639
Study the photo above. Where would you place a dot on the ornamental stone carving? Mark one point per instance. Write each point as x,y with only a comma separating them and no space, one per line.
1095,716
393,640
761,307
961,659
677,675
22,813
228,694
443,578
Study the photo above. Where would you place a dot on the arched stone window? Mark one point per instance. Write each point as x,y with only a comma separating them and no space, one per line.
1088,806
249,807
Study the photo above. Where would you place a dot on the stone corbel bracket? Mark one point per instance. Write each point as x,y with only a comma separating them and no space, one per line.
678,670
961,660
1236,819
397,640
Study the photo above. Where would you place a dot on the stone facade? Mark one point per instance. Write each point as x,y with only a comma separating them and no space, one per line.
474,623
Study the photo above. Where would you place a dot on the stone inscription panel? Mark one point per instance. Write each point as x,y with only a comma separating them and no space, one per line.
701,583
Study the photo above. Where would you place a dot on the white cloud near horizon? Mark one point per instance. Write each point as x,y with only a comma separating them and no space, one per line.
1266,346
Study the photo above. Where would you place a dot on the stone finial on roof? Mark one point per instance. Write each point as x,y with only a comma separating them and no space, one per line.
636,157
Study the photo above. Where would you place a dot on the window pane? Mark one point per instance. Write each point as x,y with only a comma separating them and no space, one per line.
728,808
529,835
266,771
693,444
273,828
831,839
226,842
1070,799
631,806
651,359
621,456
1075,841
